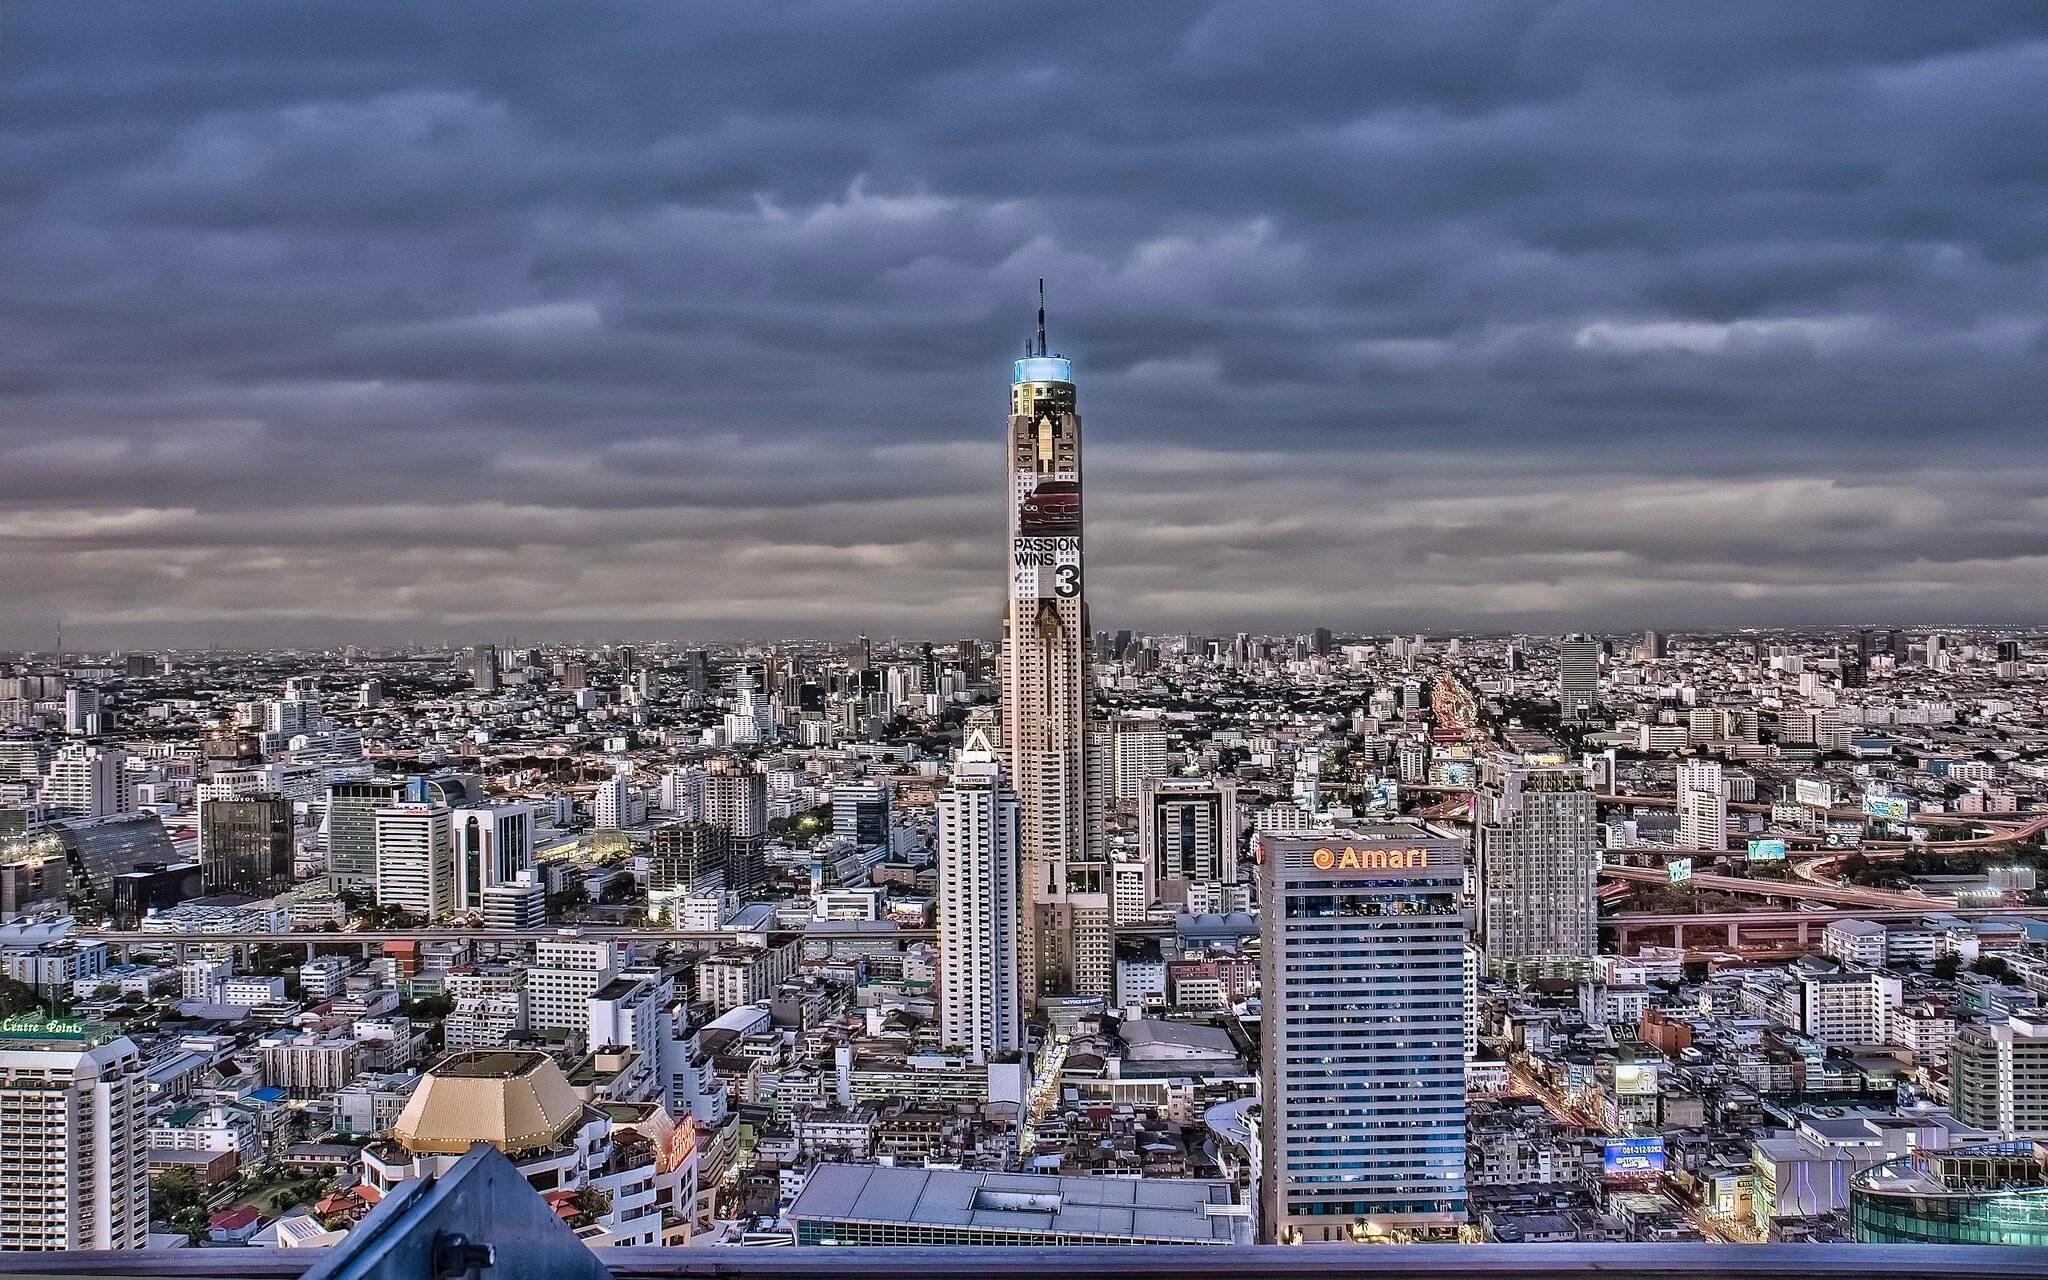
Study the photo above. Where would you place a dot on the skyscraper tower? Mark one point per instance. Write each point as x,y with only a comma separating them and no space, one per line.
1046,683
1702,805
1187,829
980,1009
736,798
1539,865
1578,677
1362,1065
483,667
75,1138
245,846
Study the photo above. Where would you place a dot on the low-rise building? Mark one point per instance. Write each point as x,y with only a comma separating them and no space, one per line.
845,1204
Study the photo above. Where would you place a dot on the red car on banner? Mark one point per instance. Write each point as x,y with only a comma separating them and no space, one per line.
1054,507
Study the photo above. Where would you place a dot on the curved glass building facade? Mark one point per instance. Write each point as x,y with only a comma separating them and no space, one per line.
1994,1194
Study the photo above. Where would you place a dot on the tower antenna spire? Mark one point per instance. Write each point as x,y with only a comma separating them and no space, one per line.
1041,315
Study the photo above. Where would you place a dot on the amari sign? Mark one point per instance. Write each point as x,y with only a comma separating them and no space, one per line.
1374,858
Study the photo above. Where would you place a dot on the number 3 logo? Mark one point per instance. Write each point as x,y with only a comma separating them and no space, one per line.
1066,580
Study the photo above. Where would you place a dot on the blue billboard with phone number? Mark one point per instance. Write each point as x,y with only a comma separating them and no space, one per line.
1632,1156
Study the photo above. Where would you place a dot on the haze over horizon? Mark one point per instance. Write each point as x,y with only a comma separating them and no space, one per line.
241,638
357,322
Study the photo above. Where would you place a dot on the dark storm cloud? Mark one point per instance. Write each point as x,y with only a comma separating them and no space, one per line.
323,317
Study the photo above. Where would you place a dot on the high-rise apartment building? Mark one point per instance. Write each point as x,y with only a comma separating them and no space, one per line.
980,996
1098,794
1187,831
688,857
1998,1074
245,846
493,844
1578,676
1363,1066
697,673
611,803
968,653
86,781
632,1011
1045,675
1140,753
416,858
903,687
1821,726
291,716
74,1139
82,710
1308,780
1702,805
21,759
352,819
736,798
860,813
567,972
749,721
482,661
352,829
682,793
1130,888
1539,866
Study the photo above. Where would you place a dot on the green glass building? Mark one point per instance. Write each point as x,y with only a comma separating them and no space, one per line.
1993,1194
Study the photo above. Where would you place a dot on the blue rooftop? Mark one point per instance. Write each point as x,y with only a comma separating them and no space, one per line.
1045,369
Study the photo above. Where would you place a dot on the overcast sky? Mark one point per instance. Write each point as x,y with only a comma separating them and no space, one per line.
358,321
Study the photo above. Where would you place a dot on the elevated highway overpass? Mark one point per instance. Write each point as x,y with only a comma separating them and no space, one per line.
1789,890
1671,927
125,942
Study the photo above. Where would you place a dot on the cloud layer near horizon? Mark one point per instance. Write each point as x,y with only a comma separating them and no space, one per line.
359,320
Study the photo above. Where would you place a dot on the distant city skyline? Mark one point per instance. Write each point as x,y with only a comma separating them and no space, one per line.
660,322
568,635
247,636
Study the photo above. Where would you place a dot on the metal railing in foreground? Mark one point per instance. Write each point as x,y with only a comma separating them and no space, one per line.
1136,1262
482,1221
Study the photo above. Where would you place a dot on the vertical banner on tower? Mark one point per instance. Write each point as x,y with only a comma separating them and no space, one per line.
1046,555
